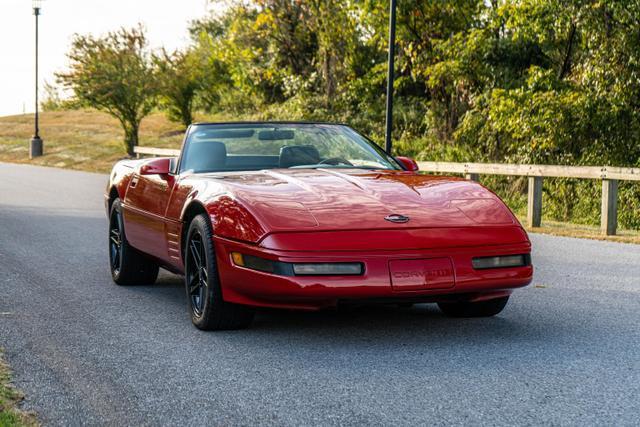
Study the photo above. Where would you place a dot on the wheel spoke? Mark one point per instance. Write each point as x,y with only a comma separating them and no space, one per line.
194,284
115,242
201,298
115,258
195,254
197,273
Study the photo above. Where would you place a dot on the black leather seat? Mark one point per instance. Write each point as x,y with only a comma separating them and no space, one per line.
298,155
205,156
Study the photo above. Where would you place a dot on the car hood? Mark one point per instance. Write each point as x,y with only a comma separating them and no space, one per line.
345,199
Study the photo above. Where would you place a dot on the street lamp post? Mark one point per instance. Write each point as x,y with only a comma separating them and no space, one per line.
390,76
35,148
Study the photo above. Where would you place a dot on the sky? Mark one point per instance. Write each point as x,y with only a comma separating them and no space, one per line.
166,22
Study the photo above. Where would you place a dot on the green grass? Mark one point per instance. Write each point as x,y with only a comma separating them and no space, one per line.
10,415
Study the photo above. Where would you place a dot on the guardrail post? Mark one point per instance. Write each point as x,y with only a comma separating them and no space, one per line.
534,202
472,176
609,211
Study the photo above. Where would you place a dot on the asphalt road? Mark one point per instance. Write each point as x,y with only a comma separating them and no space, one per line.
566,350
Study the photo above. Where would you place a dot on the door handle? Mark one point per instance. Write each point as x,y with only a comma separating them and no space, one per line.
134,182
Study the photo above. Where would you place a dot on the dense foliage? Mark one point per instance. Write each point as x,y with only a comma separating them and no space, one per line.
525,81
522,81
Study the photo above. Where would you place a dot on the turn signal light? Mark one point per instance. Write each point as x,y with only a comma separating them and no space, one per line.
237,258
255,263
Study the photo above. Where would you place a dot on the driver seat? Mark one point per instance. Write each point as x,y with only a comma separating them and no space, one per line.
205,156
298,155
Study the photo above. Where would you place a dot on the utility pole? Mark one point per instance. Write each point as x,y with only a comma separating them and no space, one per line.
390,76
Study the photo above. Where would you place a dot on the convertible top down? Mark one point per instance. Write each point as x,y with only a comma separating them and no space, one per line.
309,216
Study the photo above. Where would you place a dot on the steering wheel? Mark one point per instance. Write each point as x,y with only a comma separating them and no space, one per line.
335,161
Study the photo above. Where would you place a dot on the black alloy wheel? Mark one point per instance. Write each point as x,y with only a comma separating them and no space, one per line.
207,307
197,274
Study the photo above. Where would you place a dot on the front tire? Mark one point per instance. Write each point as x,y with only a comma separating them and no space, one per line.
207,308
128,265
474,309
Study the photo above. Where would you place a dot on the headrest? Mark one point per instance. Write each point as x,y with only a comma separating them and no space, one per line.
205,156
297,155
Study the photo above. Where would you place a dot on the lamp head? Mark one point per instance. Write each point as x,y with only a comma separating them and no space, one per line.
37,5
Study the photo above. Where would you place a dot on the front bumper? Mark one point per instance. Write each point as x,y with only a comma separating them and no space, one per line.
244,286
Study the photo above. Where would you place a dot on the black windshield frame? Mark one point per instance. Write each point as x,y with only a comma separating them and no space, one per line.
395,165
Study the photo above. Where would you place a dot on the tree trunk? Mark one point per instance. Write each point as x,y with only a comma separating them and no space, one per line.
187,115
566,64
131,137
329,76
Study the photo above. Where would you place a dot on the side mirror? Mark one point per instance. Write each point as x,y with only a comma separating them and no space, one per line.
408,163
160,166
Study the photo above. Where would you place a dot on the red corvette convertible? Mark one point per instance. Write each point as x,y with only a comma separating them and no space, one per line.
308,216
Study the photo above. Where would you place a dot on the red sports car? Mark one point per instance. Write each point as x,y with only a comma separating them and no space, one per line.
308,216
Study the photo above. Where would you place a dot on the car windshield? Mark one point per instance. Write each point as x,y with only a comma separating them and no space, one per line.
244,147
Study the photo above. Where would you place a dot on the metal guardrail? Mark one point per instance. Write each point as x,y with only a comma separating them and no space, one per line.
608,174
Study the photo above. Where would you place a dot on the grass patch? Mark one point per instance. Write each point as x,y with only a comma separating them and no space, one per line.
82,139
556,228
10,415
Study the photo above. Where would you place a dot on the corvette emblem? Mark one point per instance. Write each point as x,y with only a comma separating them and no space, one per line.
398,219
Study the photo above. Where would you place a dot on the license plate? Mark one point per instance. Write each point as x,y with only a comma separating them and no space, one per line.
421,274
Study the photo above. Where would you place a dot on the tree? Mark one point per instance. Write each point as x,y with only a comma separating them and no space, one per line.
52,100
115,74
179,78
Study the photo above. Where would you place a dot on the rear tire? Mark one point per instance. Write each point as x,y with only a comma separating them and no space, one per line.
207,308
128,265
474,309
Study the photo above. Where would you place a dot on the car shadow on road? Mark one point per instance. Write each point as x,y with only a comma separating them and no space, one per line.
420,323
380,321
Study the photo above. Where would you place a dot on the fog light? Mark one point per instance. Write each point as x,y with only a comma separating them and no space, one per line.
507,261
328,269
302,269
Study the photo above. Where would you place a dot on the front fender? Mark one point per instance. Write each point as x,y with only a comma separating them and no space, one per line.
230,218
119,181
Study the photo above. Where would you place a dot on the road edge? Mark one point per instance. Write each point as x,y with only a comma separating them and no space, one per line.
10,397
